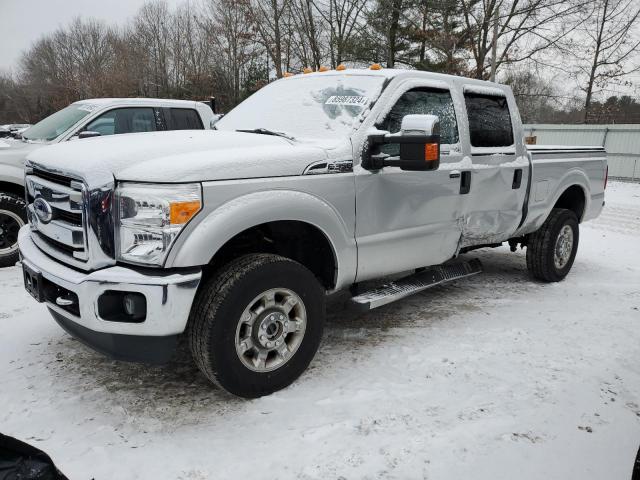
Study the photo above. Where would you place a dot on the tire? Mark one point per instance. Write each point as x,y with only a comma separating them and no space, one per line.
13,215
635,475
559,232
242,290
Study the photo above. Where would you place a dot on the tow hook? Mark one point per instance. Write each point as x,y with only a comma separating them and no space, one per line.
64,302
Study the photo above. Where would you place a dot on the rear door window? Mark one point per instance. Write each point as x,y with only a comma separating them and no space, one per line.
124,120
182,119
489,120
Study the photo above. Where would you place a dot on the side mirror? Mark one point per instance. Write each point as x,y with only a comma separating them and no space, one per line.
215,119
88,134
420,125
419,140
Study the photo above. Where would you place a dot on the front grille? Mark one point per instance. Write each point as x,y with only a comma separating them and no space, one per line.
53,177
65,249
56,216
72,218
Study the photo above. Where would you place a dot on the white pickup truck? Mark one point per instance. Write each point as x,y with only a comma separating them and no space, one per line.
83,119
314,184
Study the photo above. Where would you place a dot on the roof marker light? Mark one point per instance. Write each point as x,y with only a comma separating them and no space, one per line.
341,67
287,74
307,70
323,69
375,66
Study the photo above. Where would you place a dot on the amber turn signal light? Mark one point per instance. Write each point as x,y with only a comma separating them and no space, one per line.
181,212
430,152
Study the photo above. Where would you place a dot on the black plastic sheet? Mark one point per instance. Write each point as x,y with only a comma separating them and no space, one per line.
21,461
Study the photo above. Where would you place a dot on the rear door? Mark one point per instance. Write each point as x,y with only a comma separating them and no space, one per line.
500,169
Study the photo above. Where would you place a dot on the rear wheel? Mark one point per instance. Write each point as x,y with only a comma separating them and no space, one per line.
12,217
552,249
256,324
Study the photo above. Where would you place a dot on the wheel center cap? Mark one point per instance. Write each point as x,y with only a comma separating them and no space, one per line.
1,231
270,328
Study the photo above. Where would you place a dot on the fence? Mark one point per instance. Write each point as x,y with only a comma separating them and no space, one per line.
622,143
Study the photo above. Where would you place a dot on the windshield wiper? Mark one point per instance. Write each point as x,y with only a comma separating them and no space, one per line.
266,131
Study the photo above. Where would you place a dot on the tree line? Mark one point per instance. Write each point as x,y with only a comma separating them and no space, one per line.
231,48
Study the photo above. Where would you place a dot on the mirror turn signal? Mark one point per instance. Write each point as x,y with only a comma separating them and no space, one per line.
431,152
417,152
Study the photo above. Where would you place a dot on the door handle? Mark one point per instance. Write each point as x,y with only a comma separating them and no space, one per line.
465,183
454,174
517,179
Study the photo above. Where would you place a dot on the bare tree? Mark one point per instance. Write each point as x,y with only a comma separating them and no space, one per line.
235,43
608,42
268,18
305,24
152,24
229,48
190,52
343,19
512,31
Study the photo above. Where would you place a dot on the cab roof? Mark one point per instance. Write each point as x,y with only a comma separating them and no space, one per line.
139,101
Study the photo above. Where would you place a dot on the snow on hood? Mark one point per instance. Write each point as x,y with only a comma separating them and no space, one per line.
13,152
178,156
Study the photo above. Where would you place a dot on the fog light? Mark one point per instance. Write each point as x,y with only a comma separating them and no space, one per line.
135,305
120,306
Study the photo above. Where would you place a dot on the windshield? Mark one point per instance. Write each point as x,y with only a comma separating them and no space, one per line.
55,125
319,106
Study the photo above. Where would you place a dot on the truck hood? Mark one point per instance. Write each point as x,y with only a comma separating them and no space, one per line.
178,156
13,152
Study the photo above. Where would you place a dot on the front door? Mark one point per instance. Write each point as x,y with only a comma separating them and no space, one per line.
407,219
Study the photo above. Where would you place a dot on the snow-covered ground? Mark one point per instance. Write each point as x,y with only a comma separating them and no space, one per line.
494,377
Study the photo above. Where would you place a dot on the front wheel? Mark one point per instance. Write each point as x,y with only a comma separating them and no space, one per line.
256,324
12,217
552,249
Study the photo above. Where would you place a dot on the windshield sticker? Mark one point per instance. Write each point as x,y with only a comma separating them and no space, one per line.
350,100
87,107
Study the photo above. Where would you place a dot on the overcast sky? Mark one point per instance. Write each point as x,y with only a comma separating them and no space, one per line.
24,21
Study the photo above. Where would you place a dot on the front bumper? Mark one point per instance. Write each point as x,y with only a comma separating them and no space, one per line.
169,296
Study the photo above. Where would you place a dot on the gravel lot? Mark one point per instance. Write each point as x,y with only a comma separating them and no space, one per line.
493,377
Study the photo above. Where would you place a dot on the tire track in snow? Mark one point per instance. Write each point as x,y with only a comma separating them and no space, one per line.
625,220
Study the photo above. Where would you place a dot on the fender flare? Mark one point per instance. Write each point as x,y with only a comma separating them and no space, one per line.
200,241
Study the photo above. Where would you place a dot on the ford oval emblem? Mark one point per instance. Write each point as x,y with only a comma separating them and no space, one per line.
43,210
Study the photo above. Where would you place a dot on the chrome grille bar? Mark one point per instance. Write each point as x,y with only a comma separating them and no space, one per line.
58,230
58,196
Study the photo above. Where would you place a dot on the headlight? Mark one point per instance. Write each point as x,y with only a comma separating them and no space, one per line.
150,217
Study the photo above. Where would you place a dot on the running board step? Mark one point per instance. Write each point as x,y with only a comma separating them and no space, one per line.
415,283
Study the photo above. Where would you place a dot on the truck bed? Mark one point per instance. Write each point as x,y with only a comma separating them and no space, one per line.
556,168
